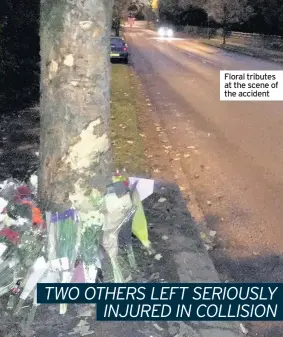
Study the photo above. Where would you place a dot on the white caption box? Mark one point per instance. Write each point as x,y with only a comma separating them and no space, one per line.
253,85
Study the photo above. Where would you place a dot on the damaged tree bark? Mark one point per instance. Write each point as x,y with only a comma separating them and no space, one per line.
75,151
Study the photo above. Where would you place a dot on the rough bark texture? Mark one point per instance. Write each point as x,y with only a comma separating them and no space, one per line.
75,153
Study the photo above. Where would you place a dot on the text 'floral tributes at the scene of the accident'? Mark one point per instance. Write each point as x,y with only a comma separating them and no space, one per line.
68,246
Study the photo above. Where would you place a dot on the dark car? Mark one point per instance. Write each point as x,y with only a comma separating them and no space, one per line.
119,49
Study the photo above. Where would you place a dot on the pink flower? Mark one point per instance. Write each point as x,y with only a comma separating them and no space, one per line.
11,235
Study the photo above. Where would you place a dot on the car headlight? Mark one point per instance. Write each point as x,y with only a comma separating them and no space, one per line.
170,33
161,31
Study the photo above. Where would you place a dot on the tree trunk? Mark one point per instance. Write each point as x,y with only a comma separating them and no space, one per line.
75,150
224,35
225,22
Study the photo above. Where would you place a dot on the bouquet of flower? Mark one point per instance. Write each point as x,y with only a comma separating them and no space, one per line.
91,235
8,263
119,210
121,186
20,234
66,231
21,240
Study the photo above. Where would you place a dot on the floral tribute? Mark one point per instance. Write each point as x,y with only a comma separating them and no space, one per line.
67,246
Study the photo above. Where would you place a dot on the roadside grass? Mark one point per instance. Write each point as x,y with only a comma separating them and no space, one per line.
263,53
127,144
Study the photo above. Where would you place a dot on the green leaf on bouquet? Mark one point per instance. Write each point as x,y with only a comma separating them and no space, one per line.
66,226
90,243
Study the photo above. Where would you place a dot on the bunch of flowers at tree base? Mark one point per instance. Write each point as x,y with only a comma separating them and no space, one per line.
91,234
21,234
63,231
122,184
8,264
119,210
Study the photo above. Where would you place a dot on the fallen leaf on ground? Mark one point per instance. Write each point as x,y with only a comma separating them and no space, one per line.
158,257
187,155
128,279
162,200
208,247
203,235
191,147
130,142
154,276
212,233
243,329
208,203
157,327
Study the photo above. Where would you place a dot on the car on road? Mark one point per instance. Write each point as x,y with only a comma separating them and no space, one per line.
119,49
165,32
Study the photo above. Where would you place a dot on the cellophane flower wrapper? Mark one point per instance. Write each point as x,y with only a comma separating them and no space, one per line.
125,237
119,209
66,230
66,225
91,235
89,250
9,264
122,187
8,188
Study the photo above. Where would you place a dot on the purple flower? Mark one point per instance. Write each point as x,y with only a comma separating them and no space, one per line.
68,214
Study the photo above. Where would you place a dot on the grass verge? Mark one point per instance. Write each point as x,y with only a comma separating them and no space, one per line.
127,143
265,54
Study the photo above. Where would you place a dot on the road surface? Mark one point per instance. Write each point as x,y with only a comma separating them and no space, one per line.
231,152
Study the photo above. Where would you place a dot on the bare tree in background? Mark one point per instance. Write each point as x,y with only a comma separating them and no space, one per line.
228,11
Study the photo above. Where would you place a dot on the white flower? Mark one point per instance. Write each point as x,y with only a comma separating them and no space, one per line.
21,221
3,204
34,180
3,248
92,218
6,183
2,217
3,184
